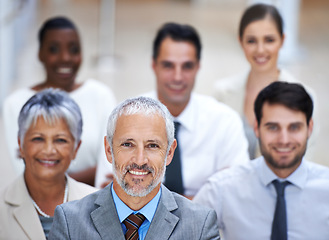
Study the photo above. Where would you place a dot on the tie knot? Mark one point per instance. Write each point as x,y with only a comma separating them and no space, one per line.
134,221
280,186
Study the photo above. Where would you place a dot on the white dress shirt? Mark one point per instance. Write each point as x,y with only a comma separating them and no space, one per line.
244,199
210,137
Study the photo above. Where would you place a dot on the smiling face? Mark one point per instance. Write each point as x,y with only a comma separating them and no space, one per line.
47,150
139,154
175,68
60,53
261,42
283,135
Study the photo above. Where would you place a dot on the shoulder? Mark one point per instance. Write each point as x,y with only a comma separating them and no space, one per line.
18,97
185,207
316,170
210,104
15,192
193,220
81,207
79,190
231,83
94,86
235,175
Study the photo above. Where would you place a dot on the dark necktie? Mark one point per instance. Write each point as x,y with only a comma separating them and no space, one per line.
279,225
174,180
132,223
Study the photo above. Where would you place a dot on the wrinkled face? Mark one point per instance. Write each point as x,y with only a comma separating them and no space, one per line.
139,153
47,149
175,68
60,54
283,135
261,42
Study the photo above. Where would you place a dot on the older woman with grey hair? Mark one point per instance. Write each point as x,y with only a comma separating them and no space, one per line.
50,127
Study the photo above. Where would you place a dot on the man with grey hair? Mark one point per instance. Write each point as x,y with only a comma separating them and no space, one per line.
140,144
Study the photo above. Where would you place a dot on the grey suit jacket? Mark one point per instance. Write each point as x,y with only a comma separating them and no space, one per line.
95,217
18,217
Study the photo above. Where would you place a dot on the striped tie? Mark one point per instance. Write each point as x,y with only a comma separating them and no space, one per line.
132,223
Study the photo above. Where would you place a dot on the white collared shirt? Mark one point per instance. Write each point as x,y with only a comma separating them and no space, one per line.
244,200
211,138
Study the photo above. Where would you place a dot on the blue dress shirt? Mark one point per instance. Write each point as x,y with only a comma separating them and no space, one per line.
148,211
244,199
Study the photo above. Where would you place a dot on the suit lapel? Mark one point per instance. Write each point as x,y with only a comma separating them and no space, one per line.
24,213
163,221
105,216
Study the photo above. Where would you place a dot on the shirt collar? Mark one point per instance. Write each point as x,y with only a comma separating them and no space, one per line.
297,178
124,211
187,118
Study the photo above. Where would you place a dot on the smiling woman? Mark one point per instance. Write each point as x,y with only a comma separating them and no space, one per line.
50,127
61,55
261,38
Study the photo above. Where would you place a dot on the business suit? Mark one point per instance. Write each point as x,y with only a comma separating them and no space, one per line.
18,217
95,217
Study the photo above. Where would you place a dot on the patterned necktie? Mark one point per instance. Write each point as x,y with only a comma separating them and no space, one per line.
174,179
279,225
132,223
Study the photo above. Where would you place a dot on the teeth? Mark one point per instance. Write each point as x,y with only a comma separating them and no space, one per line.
283,149
138,173
48,162
176,87
261,59
64,70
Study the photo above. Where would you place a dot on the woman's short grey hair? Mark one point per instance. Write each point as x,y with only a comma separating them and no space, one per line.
51,104
141,105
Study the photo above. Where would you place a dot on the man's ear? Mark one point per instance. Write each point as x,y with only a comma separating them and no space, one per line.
310,127
171,152
108,150
256,128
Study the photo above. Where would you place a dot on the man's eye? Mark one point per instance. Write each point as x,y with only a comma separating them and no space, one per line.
188,66
126,144
167,65
153,145
294,127
273,128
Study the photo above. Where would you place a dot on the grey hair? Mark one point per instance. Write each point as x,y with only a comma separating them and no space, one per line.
141,105
51,104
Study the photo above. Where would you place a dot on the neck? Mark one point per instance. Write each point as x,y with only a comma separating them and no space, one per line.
43,190
134,203
283,172
174,108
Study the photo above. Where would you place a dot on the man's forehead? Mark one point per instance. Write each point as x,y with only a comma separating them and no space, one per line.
281,114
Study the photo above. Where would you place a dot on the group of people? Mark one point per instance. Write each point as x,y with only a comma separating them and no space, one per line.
151,154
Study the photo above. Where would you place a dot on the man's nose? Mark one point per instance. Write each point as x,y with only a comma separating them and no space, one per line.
141,156
284,136
178,73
